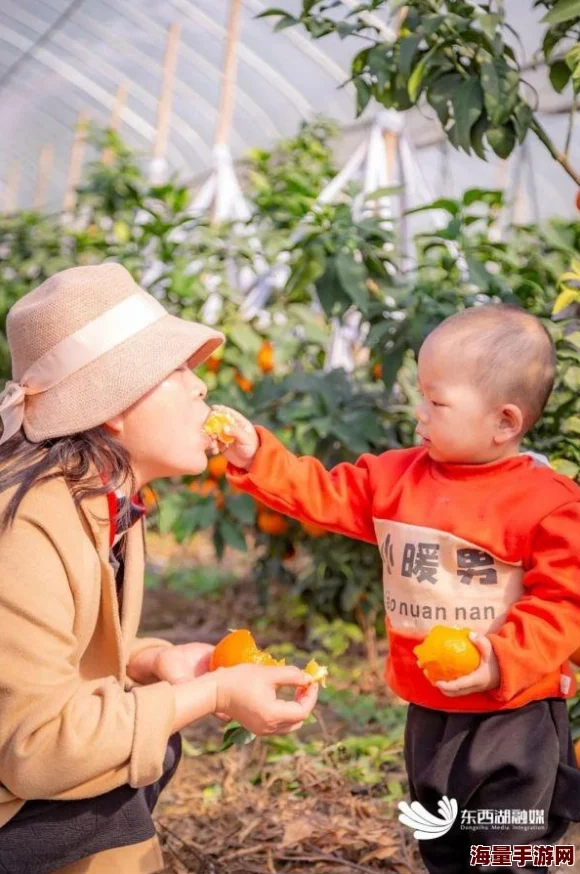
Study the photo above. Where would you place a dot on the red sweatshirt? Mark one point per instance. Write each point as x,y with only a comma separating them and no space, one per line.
494,547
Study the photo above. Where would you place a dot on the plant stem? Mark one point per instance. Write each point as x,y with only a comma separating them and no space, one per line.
571,119
560,157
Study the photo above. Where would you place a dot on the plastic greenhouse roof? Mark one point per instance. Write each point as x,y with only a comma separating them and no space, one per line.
61,57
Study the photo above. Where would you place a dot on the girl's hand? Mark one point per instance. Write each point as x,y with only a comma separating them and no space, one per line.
486,676
247,693
242,451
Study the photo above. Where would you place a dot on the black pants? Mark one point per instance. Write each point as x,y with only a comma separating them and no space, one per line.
47,835
520,760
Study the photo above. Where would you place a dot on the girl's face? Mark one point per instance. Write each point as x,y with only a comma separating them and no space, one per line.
163,430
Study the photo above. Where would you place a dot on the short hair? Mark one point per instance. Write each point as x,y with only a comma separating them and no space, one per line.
513,351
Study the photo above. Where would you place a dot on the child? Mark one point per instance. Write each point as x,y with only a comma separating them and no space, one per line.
472,533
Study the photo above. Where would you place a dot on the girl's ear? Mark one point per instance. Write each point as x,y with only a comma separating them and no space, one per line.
114,425
510,424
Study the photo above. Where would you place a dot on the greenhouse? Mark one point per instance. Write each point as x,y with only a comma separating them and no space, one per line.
289,436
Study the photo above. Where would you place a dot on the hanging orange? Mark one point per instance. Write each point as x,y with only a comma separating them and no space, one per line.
149,498
447,653
245,384
272,523
217,466
266,357
578,199
207,487
313,530
213,364
577,751
377,371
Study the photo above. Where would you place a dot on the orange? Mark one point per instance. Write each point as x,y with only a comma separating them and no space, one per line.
577,751
217,422
205,488
272,523
319,673
377,371
578,199
447,653
243,382
213,364
238,648
217,466
149,498
313,530
266,357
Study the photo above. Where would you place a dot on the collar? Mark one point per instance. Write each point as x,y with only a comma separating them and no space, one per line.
123,513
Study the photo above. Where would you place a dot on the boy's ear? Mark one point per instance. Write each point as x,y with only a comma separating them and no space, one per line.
511,423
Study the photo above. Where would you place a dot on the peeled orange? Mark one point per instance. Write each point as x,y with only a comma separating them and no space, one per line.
216,423
239,648
447,653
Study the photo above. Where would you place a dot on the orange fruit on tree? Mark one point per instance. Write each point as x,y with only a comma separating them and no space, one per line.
272,523
577,751
578,199
217,466
149,498
245,384
213,363
377,371
266,357
447,653
205,488
313,530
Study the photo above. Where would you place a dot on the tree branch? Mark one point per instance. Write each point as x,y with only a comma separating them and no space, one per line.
558,156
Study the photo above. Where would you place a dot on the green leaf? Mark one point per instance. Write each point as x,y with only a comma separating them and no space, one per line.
477,273
363,95
243,507
478,132
564,10
467,105
560,74
244,337
235,735
232,535
352,279
286,21
333,299
408,47
440,94
502,140
416,78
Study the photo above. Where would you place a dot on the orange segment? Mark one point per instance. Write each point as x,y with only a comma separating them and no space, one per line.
319,673
217,422
447,653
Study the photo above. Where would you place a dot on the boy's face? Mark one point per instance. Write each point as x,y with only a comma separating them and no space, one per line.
455,420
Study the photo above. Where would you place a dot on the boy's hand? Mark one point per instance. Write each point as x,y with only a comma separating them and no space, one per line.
486,676
241,452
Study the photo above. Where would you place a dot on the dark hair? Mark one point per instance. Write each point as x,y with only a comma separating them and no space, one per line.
24,464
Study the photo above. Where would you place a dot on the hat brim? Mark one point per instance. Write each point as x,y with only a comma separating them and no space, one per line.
111,384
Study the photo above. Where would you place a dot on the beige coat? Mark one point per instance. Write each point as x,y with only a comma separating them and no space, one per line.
71,723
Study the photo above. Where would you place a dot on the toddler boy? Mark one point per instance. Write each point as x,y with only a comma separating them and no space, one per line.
471,533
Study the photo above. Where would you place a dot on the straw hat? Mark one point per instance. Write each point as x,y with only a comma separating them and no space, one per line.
85,346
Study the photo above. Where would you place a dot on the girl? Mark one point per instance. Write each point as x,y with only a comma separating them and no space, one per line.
103,400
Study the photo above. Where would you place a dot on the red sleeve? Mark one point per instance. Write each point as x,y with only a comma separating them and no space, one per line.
542,629
339,499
